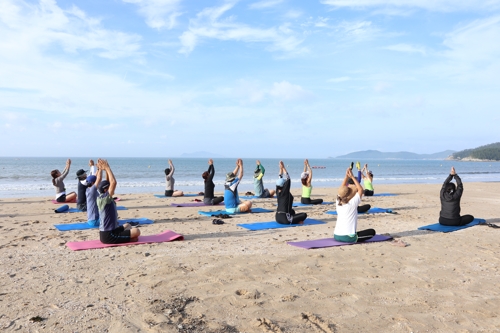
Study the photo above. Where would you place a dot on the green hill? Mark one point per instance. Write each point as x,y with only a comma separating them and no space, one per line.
402,155
489,152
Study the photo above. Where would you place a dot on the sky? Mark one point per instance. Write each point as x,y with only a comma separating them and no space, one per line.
268,78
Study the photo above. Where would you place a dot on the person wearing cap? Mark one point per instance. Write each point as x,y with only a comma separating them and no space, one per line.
348,200
285,213
208,195
368,179
58,182
231,197
306,178
110,232
258,184
170,181
450,196
91,193
81,199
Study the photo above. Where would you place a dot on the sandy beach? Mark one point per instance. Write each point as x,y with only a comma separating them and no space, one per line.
223,278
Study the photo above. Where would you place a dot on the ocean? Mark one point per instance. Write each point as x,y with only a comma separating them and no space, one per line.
30,177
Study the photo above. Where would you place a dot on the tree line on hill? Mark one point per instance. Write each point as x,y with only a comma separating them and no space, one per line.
489,152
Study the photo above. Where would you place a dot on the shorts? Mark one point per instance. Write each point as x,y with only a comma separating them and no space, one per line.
265,194
368,193
62,198
82,207
117,236
236,210
346,238
169,193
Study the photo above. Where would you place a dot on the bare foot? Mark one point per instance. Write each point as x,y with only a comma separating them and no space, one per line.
135,239
301,222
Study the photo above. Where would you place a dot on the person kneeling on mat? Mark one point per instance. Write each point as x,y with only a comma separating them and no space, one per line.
231,197
348,200
285,213
110,232
208,195
450,196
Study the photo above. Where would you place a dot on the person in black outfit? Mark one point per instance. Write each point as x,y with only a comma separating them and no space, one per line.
208,176
81,199
450,202
285,214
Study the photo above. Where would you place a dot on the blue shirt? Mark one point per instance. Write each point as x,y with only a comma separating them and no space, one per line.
92,210
107,212
231,198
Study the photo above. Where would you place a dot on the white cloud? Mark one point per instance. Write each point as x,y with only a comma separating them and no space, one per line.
432,5
210,24
41,25
158,13
286,91
339,79
407,48
264,4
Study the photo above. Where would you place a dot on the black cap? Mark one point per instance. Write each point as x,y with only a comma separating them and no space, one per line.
80,173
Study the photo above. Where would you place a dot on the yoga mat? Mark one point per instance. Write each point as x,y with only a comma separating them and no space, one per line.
162,196
74,201
384,195
85,226
329,242
373,210
191,204
248,197
217,212
165,236
66,209
276,225
448,228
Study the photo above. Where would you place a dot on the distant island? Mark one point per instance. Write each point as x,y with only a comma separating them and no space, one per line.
402,155
489,152
201,154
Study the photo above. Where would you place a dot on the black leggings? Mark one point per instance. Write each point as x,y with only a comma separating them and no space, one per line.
363,209
462,220
365,235
368,193
213,201
308,201
281,218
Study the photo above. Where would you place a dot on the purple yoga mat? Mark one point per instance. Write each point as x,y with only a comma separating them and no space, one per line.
329,242
165,236
191,204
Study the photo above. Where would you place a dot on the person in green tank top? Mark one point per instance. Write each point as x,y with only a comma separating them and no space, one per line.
306,178
367,180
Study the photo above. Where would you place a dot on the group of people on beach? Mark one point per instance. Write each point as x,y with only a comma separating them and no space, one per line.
95,196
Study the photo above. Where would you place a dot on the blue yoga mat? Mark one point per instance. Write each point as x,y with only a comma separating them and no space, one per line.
384,195
373,210
85,226
248,197
447,228
276,225
66,209
217,212
162,196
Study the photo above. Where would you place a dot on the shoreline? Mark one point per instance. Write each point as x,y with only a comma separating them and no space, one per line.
223,278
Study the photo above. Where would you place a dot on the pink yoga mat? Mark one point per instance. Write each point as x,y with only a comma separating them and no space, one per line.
74,201
166,236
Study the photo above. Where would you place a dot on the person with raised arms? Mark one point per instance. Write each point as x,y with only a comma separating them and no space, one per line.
208,195
110,232
285,213
368,180
450,196
258,183
81,199
231,197
348,200
58,182
306,178
170,181
91,192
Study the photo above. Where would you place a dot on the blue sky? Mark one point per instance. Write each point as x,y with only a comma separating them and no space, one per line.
270,78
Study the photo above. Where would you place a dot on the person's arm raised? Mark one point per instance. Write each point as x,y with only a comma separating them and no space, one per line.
355,180
111,179
240,176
